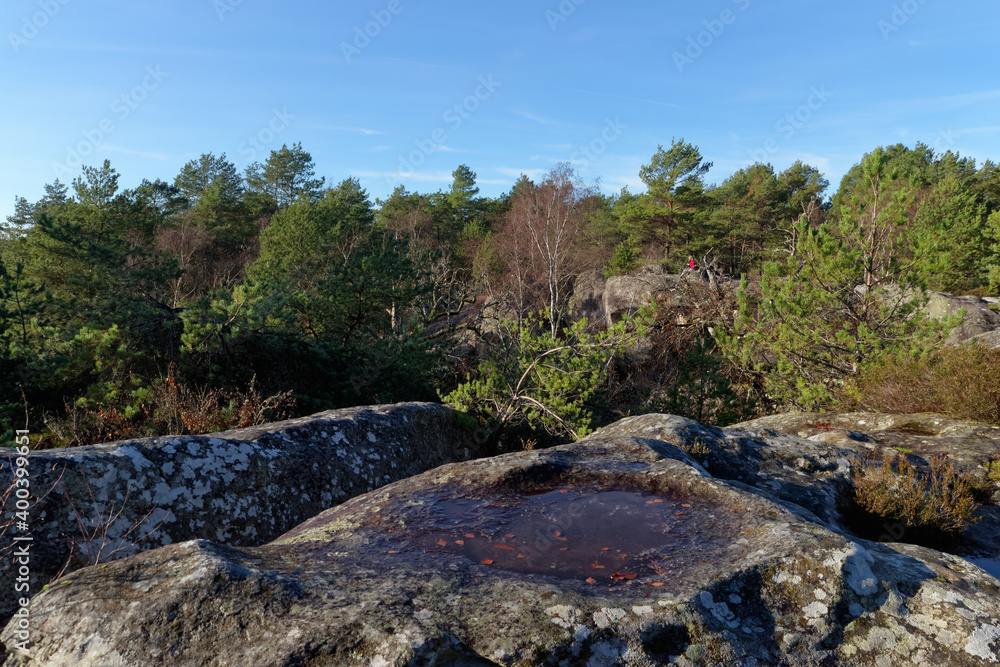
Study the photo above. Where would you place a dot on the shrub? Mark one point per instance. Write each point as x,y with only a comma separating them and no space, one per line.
529,378
936,501
959,381
168,408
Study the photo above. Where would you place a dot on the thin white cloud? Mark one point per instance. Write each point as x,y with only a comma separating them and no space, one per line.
344,128
976,130
184,52
628,99
516,173
535,118
117,149
419,176
423,64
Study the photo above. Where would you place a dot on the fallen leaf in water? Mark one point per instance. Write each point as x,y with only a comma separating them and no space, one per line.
393,551
442,543
596,566
520,555
505,547
656,583
486,562
590,580
508,535
459,542
469,535
563,490
623,555
657,500
563,539
563,548
685,505
680,513
557,533
629,575
605,549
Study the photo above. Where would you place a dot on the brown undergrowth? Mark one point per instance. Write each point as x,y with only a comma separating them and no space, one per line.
168,408
957,381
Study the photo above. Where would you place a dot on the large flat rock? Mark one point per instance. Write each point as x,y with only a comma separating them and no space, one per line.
242,487
617,550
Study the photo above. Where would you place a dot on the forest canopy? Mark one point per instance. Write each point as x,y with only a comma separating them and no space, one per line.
224,298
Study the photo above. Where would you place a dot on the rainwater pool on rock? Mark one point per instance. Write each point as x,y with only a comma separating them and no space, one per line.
602,535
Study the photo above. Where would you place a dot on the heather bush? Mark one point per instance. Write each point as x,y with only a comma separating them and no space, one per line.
934,501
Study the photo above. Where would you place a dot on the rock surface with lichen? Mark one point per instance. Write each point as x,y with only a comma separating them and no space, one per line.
242,487
654,541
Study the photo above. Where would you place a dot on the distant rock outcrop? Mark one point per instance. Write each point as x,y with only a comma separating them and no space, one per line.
241,487
982,315
621,549
606,300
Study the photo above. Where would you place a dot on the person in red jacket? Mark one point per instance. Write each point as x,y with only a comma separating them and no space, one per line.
691,262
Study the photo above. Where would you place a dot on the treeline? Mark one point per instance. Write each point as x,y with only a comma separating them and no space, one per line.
222,299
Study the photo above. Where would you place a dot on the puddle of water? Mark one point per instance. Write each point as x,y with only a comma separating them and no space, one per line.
991,565
916,428
603,535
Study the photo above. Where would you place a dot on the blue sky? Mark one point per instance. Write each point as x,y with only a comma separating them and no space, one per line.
403,91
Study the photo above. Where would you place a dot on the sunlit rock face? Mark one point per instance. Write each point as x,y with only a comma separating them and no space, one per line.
621,549
242,487
979,315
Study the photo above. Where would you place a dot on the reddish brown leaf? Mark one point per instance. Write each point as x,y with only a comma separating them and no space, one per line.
459,542
605,549
629,575
656,583
685,505
469,535
393,551
509,535
486,561
442,543
590,580
505,547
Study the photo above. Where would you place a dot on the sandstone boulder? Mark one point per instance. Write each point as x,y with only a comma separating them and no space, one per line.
990,339
587,299
981,314
604,301
621,549
241,487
